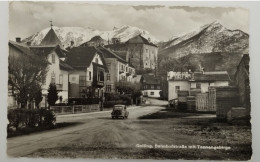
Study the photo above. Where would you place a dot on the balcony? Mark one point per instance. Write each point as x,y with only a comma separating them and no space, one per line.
100,83
121,71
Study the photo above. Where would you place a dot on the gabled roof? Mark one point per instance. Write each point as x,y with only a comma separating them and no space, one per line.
143,40
121,54
81,57
21,47
51,39
65,66
45,50
150,79
211,76
109,54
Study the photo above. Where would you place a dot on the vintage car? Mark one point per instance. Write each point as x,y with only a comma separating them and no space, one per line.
119,111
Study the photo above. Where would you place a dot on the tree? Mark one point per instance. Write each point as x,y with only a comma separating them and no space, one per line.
25,71
35,94
133,89
52,96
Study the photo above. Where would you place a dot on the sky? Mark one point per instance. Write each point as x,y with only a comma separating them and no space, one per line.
162,21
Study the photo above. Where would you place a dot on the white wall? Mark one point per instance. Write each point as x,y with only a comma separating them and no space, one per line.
204,87
148,92
184,86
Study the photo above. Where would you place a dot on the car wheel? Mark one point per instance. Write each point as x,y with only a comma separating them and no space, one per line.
112,117
123,117
126,117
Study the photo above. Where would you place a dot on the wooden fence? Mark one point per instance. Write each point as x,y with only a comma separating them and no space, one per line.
202,102
212,99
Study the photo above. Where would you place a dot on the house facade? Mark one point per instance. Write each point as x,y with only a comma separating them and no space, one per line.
197,82
118,70
138,51
58,72
17,51
151,85
87,79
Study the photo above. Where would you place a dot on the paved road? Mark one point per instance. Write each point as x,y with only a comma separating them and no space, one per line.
95,129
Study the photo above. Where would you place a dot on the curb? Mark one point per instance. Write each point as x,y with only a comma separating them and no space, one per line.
96,112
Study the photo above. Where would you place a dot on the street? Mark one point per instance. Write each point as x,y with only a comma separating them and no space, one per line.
94,129
150,132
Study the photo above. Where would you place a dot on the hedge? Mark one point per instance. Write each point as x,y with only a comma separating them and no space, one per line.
83,101
31,118
115,99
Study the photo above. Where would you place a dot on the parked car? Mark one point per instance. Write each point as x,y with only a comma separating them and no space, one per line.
119,111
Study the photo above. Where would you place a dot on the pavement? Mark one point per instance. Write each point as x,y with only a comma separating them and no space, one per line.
93,129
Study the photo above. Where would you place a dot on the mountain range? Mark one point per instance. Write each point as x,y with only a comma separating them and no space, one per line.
212,46
212,37
83,34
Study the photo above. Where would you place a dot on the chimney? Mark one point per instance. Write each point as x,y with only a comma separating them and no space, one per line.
29,43
18,39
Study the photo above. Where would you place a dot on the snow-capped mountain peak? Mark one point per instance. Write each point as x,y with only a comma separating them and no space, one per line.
83,34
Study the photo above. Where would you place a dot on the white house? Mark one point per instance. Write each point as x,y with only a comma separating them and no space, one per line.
195,82
151,85
58,72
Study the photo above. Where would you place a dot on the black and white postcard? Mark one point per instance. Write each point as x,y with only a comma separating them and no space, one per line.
128,81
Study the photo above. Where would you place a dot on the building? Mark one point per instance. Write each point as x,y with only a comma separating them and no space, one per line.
118,70
242,81
95,41
151,85
177,81
88,76
138,51
197,82
58,72
17,51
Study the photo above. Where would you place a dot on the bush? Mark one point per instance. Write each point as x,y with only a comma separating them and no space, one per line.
114,99
31,118
108,104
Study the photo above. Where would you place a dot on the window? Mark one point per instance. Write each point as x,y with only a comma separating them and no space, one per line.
108,88
101,76
96,60
73,79
126,69
108,76
144,86
53,58
122,67
152,86
198,85
53,77
151,93
177,88
89,75
61,79
158,87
